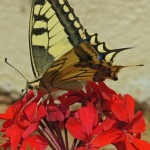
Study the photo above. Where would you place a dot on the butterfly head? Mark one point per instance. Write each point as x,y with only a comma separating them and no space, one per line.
32,85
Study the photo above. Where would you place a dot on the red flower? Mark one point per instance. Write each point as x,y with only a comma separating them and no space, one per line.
132,125
81,126
22,119
85,127
98,93
123,109
104,117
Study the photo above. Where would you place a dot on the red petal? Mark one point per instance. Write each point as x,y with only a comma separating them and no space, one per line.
93,111
128,143
88,89
105,88
33,127
95,90
35,112
8,114
140,144
54,114
106,138
22,121
138,123
70,98
119,109
130,105
15,134
97,130
87,117
6,125
35,142
74,127
32,94
17,107
106,92
108,124
28,96
65,102
105,125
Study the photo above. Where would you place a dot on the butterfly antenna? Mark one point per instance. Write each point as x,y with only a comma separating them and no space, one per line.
140,65
134,65
16,70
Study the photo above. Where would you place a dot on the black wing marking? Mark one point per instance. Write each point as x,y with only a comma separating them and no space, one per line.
104,53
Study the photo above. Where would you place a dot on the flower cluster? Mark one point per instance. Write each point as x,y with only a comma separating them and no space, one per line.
102,117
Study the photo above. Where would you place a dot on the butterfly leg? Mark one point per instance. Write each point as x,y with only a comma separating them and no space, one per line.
29,102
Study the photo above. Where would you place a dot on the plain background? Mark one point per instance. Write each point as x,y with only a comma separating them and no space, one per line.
119,23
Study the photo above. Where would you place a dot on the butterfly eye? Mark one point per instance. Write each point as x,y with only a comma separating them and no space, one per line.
30,86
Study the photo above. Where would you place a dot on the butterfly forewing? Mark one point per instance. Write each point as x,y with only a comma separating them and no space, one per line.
54,30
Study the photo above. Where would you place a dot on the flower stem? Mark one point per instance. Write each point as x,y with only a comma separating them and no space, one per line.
50,144
53,139
66,139
51,136
59,134
74,144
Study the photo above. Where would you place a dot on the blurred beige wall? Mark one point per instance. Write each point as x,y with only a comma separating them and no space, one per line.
119,23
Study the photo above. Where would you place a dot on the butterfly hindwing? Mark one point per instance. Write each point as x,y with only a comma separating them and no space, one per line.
78,64
72,66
